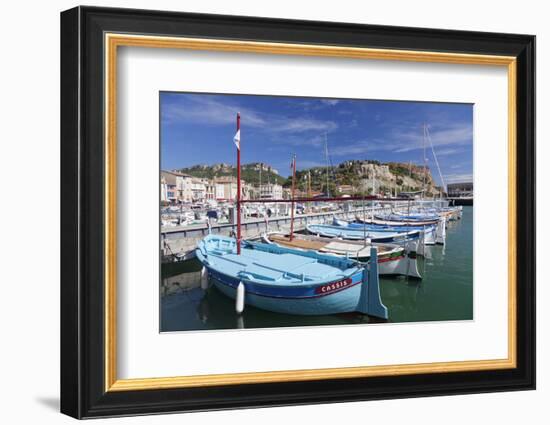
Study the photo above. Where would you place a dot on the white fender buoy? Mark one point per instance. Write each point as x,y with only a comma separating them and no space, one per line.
441,232
240,322
239,299
204,278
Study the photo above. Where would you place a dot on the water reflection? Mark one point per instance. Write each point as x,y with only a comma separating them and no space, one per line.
197,309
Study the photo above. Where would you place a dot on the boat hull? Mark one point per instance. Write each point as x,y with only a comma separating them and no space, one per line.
356,234
396,222
394,262
290,281
429,233
308,303
404,265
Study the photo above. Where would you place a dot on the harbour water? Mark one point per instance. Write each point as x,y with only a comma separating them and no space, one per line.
444,293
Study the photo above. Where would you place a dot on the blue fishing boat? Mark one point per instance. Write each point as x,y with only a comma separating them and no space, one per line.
397,222
411,218
428,231
378,236
290,281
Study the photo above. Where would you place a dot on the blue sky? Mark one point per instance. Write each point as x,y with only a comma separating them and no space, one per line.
199,129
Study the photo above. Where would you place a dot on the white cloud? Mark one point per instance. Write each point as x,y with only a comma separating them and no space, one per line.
447,139
318,140
309,164
330,102
454,134
283,124
356,148
207,110
448,151
342,111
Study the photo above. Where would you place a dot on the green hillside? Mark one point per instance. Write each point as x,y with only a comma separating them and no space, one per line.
249,173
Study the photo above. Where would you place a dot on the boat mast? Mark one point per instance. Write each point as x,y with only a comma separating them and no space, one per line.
292,198
260,187
308,188
424,149
364,224
372,179
238,138
410,173
436,163
326,157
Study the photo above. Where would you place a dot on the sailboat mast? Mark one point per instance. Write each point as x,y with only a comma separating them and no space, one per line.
443,185
238,184
373,190
410,173
292,198
372,179
424,149
364,223
308,188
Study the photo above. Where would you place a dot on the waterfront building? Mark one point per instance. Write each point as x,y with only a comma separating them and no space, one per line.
226,188
198,189
219,191
271,191
165,193
175,187
465,189
178,187
168,188
210,189
185,187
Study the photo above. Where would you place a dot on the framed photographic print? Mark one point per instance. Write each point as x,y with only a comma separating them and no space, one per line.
261,212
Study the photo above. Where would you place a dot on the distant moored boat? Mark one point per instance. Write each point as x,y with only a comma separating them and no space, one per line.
380,235
392,259
429,232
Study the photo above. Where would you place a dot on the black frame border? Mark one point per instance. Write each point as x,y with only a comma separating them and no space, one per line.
82,208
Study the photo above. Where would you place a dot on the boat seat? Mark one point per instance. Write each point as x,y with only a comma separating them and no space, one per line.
288,265
283,268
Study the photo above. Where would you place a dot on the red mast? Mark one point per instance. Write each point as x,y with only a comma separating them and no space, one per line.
292,197
238,143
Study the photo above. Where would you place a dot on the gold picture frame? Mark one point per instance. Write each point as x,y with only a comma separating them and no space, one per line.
114,41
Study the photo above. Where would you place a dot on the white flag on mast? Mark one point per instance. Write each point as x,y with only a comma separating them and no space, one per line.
237,139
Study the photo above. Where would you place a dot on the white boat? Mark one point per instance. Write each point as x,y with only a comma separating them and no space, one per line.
392,259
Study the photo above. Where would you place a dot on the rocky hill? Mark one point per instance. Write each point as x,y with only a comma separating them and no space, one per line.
356,177
353,176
